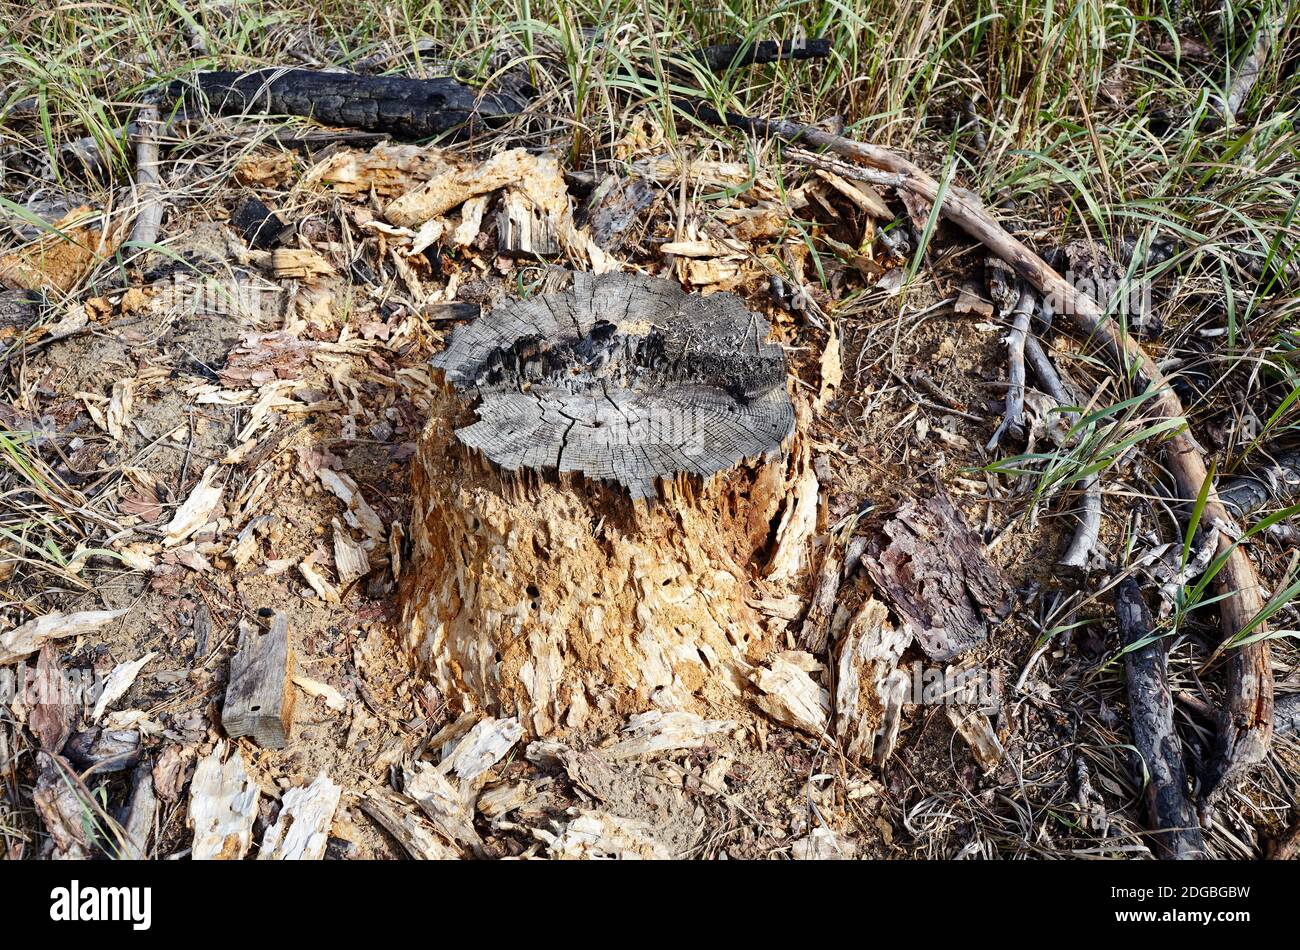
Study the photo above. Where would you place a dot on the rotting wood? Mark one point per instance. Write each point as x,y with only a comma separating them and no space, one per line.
929,564
627,379
869,687
410,830
977,731
301,830
1170,816
259,697
1245,723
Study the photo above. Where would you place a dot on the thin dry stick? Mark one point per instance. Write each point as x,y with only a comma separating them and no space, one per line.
148,220
1246,725
1076,557
1013,421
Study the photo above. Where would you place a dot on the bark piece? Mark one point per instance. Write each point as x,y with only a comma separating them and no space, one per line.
302,829
259,697
869,687
223,806
935,572
1170,816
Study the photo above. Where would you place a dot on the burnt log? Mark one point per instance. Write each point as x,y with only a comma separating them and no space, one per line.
1170,816
591,498
410,108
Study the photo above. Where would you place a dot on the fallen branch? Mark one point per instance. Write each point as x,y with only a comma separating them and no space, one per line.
1013,421
1077,556
1245,726
148,219
726,55
1225,108
414,108
1170,815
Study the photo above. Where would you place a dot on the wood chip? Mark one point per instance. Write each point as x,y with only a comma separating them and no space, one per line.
223,807
117,683
26,639
302,829
790,695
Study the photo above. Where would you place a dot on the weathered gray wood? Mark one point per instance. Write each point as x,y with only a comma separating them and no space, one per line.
937,576
259,697
622,378
1175,831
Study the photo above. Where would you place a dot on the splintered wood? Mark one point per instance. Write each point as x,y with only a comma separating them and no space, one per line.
592,500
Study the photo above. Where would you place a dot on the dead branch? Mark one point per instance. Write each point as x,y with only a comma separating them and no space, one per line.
1013,422
1170,815
727,55
1225,108
148,219
414,108
1076,557
1245,726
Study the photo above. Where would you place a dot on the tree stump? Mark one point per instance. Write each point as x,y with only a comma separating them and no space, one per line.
592,494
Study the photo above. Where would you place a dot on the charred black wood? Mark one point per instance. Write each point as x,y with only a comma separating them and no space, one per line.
258,225
726,55
1277,483
1176,833
409,108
